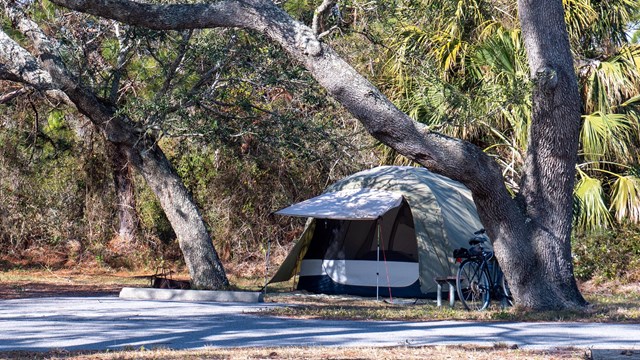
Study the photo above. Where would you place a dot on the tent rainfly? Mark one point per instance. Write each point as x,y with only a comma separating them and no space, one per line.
386,231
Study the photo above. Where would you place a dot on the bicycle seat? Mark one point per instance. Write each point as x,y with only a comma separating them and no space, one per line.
477,240
478,237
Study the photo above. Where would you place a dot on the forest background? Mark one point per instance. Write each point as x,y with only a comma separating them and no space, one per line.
261,134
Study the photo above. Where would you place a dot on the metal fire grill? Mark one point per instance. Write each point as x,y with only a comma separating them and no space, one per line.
162,279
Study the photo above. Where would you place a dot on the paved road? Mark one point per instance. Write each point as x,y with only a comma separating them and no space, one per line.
113,323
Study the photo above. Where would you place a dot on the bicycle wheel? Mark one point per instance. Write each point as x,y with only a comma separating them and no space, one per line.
506,292
472,284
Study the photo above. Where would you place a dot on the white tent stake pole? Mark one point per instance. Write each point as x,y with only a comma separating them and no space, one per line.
266,266
378,262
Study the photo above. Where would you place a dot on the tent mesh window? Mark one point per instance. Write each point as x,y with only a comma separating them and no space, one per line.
358,239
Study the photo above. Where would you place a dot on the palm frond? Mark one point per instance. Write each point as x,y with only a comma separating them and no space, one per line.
604,135
500,56
449,50
634,101
613,18
625,198
611,82
579,15
592,211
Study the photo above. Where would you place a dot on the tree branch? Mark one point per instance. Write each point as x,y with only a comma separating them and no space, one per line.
319,15
18,65
120,63
200,255
13,94
448,156
173,67
168,16
51,73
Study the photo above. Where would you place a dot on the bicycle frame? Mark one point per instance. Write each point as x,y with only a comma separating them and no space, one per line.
479,279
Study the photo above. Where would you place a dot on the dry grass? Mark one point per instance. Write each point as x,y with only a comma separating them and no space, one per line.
82,282
615,305
434,352
609,302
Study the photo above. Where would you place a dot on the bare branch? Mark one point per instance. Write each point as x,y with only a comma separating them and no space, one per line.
325,33
319,15
12,95
120,63
171,72
213,73
216,69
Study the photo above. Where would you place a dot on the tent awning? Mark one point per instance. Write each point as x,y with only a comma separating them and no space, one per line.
358,204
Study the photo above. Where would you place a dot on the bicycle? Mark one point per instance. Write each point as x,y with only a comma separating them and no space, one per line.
479,275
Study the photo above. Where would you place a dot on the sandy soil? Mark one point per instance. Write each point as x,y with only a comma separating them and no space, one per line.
19,289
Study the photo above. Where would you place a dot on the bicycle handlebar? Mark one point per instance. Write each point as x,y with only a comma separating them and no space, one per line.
480,232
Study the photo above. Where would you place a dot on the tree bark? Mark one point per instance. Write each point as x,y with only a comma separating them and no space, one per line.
549,172
530,233
48,72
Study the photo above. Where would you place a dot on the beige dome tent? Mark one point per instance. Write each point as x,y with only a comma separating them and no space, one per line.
388,229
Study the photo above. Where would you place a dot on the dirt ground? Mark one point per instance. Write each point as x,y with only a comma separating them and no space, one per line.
16,290
44,283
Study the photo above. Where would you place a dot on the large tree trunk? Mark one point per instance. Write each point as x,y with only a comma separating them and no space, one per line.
531,233
548,182
200,256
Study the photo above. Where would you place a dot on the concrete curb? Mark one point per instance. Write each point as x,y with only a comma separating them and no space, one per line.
190,295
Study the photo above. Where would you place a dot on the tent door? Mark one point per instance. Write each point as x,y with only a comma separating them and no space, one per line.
346,253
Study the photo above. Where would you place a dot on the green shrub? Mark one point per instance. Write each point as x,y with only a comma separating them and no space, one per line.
610,254
56,201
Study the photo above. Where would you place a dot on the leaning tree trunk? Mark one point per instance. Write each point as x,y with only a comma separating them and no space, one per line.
200,256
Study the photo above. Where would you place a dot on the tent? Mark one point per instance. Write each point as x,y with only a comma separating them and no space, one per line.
389,231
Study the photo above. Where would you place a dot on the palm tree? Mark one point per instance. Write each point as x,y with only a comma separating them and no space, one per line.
609,70
464,73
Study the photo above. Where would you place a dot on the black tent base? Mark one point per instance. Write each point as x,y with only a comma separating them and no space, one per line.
323,284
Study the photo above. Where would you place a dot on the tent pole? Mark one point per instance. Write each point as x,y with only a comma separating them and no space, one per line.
378,262
266,266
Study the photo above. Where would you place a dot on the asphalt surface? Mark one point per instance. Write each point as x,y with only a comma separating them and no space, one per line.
100,323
